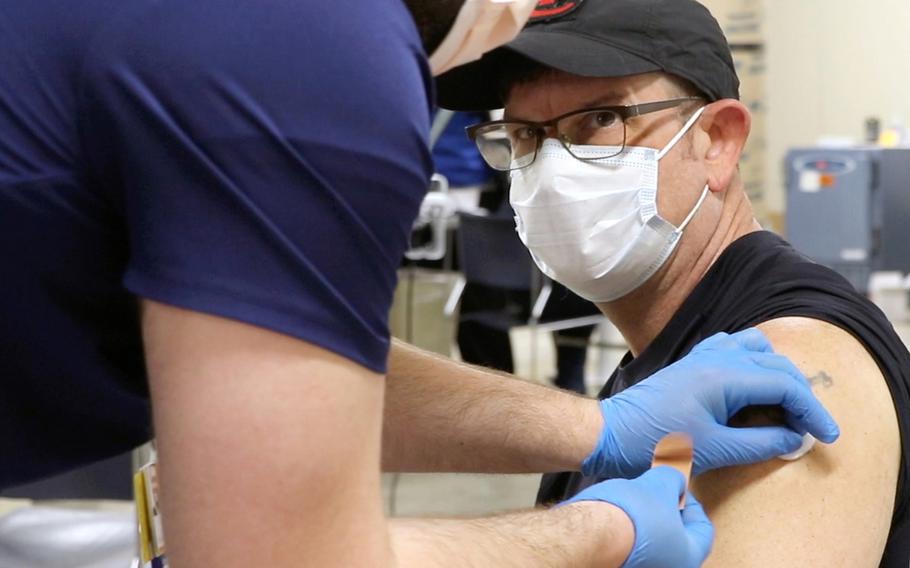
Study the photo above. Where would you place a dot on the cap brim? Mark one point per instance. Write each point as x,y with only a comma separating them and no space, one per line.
477,86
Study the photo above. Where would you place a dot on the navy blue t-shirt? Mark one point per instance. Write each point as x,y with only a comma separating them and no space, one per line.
261,161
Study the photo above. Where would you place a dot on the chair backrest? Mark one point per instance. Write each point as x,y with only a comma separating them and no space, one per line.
490,253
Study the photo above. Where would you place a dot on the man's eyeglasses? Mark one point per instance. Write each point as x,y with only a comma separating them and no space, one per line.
513,144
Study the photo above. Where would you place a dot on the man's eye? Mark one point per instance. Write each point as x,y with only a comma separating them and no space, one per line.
526,133
602,119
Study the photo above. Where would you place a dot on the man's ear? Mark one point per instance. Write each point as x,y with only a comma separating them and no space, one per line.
727,123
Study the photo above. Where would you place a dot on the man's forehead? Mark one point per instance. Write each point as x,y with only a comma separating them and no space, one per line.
554,93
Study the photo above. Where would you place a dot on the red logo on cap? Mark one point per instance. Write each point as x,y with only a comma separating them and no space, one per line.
552,9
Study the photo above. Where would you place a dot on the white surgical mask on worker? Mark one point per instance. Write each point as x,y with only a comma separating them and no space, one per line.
593,225
481,25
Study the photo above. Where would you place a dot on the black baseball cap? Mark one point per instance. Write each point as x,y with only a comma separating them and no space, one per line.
602,38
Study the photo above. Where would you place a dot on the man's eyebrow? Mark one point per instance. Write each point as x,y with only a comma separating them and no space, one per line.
608,99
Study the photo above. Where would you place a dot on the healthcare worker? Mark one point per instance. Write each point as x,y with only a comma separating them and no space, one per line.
203,205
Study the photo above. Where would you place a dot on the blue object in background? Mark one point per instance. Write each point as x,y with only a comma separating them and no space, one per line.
455,155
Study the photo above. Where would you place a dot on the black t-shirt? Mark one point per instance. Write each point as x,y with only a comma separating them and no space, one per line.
758,278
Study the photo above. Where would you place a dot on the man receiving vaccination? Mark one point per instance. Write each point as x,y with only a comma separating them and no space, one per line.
622,133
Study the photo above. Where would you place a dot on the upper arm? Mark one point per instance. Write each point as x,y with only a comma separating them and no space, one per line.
832,507
269,446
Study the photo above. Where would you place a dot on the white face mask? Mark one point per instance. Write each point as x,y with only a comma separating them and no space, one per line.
481,25
594,226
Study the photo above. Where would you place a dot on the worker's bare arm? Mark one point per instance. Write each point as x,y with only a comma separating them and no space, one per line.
445,416
270,454
833,506
269,446
577,535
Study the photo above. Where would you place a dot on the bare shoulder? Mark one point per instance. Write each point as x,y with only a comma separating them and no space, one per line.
833,507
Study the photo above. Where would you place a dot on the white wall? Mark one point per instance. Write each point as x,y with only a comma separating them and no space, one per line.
831,64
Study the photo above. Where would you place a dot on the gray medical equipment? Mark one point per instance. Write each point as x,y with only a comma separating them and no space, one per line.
436,212
437,209
849,209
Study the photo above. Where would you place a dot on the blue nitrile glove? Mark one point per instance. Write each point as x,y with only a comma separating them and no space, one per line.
664,535
698,395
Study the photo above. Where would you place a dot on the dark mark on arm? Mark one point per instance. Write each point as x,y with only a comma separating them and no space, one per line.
822,379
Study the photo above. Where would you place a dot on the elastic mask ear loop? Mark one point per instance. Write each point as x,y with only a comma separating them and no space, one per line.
467,16
682,132
704,195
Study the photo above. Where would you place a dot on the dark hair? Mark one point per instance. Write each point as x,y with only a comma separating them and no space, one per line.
434,19
519,70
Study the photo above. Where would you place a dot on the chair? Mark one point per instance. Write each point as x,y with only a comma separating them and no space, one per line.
491,254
